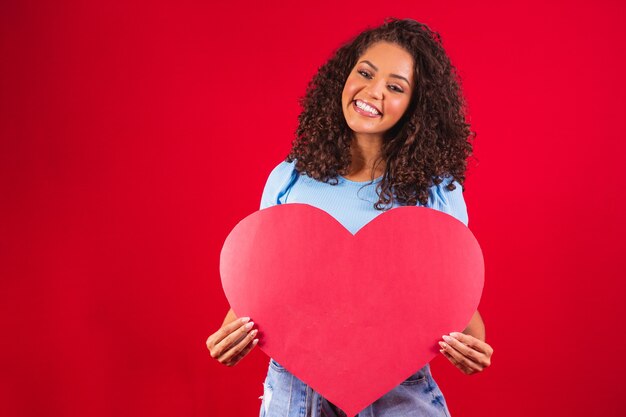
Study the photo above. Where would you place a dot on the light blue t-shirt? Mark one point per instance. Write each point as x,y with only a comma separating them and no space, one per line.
350,202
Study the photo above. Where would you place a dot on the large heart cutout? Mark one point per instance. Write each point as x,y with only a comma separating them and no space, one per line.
352,315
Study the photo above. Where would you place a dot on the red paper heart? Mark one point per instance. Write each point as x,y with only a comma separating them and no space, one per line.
352,315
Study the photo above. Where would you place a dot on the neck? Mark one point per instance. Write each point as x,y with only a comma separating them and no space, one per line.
366,156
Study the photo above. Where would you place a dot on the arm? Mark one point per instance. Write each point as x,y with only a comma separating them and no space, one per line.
476,327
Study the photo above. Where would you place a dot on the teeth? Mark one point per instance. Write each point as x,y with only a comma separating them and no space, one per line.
367,108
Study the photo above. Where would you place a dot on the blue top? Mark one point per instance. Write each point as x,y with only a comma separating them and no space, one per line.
350,202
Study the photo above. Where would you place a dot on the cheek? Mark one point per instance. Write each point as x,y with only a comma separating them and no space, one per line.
350,88
398,107
346,95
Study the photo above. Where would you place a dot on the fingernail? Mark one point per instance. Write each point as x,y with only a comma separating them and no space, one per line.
443,345
249,325
255,341
254,332
446,338
245,319
441,350
454,334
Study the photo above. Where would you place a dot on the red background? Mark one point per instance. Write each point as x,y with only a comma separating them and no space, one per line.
135,136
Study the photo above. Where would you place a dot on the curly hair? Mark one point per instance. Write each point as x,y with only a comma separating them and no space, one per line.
430,141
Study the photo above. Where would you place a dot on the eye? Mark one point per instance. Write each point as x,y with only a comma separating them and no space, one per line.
393,87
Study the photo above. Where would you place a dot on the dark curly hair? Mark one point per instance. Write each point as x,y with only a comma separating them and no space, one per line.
430,141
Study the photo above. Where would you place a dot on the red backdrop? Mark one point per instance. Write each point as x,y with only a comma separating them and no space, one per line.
135,136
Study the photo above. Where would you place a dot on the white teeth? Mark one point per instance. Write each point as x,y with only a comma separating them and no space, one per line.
367,108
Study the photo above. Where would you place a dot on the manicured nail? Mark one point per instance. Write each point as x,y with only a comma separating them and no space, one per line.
443,345
447,338
245,319
441,350
254,332
249,325
255,341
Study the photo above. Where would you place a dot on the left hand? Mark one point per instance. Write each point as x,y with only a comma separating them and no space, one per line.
466,352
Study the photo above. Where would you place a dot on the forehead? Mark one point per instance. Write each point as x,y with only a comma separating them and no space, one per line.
390,58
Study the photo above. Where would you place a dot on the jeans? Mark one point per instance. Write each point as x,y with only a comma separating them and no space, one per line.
284,395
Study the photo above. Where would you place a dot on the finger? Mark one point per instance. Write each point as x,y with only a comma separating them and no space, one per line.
459,357
238,347
222,347
473,342
460,366
474,356
454,358
480,351
218,336
453,361
235,360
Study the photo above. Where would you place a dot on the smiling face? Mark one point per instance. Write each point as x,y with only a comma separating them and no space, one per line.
378,89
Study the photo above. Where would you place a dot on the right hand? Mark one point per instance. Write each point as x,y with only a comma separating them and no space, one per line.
233,341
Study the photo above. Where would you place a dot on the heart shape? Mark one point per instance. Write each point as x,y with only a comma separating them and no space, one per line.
352,316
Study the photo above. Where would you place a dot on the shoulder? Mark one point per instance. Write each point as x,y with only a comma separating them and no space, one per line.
277,182
448,201
281,172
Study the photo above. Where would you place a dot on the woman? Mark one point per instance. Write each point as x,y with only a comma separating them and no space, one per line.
383,125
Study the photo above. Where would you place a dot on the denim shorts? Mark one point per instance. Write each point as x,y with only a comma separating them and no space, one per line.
284,395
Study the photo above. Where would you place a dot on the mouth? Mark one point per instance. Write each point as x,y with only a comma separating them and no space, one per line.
366,109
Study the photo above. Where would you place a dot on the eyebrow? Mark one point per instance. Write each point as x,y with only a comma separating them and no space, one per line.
391,75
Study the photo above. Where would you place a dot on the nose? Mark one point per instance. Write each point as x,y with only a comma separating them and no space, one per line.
375,89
